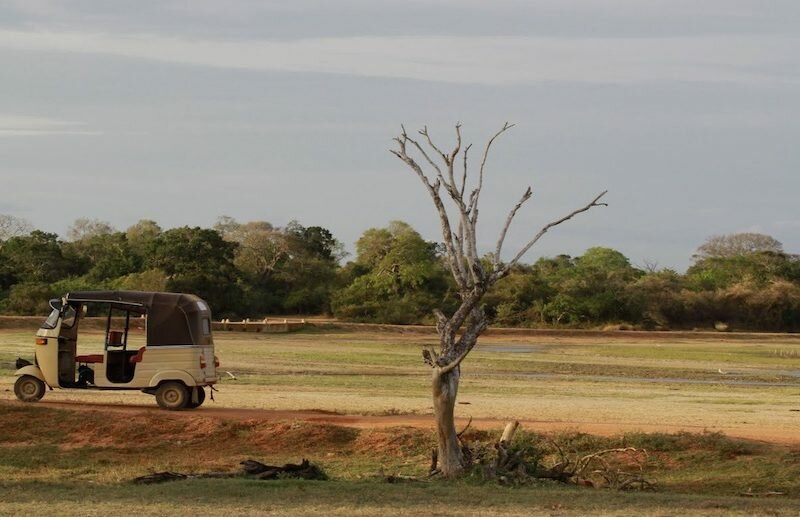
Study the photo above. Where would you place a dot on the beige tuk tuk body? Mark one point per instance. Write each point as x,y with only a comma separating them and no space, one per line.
175,364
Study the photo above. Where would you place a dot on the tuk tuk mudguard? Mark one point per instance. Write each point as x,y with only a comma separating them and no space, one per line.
173,375
31,370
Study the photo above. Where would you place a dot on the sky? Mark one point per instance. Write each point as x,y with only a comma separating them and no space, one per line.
182,111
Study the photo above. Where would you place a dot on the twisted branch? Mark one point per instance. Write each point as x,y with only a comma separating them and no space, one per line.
591,204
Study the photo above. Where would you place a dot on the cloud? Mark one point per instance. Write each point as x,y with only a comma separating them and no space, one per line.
20,125
477,60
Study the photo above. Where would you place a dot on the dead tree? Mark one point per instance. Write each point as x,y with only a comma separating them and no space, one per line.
458,332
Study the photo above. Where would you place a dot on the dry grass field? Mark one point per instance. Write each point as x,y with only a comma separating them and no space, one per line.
357,402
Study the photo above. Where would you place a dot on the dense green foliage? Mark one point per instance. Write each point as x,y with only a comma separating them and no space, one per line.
397,277
241,269
759,291
742,281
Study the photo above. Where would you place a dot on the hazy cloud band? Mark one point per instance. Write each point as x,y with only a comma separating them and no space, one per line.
475,60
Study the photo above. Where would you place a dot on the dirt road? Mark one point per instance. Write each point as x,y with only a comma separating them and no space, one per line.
777,436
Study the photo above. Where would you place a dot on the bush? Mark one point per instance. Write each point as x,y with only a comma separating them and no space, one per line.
29,298
716,442
149,280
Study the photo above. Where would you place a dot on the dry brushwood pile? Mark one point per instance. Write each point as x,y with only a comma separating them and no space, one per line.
250,469
619,468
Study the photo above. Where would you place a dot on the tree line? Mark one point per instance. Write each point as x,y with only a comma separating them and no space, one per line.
739,281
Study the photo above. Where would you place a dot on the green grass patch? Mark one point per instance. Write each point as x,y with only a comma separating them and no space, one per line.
287,497
727,353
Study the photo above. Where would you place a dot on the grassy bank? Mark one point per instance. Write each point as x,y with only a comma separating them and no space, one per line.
81,462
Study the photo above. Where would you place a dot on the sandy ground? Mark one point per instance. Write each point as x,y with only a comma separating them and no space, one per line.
606,406
765,434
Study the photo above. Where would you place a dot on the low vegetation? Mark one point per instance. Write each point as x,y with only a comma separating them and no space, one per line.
741,281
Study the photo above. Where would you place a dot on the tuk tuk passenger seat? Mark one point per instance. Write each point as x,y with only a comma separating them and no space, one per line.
138,357
115,337
90,358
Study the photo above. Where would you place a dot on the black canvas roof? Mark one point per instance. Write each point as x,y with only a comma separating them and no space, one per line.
172,318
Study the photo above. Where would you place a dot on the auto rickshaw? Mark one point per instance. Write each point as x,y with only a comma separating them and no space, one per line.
174,362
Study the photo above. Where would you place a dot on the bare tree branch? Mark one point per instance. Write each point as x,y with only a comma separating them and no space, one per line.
499,248
424,132
593,203
441,319
457,147
464,176
454,363
11,226
477,192
430,356
452,252
427,158
450,161
469,339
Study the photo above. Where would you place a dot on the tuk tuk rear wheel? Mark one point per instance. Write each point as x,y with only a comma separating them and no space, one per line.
201,397
28,388
172,395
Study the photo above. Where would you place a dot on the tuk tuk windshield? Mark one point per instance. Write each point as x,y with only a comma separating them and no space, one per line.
68,318
52,320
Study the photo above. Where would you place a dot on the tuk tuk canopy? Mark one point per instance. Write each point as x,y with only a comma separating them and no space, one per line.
172,318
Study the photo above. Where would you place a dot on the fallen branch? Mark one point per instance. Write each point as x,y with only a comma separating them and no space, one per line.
466,426
159,477
619,469
250,468
162,477
304,470
509,431
397,478
434,462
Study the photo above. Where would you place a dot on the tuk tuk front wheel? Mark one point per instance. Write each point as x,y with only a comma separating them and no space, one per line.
172,395
28,388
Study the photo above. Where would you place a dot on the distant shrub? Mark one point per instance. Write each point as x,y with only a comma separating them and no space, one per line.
29,298
683,441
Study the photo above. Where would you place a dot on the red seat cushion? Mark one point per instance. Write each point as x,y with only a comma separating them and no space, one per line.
91,358
138,357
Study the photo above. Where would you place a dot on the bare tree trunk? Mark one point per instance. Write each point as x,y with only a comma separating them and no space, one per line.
445,390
